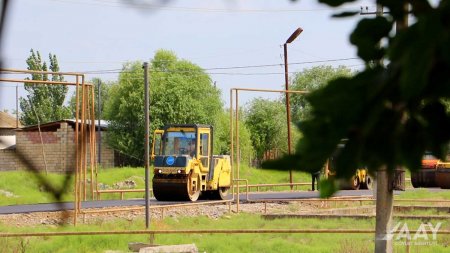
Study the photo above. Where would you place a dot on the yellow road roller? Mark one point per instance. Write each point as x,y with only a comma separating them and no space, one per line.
426,175
184,164
360,180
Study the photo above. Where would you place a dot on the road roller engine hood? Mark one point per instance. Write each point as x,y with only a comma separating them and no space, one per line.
169,164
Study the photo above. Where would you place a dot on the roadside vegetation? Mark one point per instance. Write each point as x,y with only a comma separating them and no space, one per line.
338,243
27,190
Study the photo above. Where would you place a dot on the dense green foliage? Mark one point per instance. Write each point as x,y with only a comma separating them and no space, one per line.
180,93
222,140
266,120
311,80
391,113
104,92
44,103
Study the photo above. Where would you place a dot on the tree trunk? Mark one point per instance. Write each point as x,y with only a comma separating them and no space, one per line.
385,197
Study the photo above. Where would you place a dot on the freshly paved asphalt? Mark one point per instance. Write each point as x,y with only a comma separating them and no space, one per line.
51,207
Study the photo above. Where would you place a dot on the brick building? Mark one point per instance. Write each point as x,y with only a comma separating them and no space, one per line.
57,147
8,126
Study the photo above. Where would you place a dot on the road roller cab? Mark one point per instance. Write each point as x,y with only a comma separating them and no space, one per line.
184,164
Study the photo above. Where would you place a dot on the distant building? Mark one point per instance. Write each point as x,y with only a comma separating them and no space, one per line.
8,125
58,144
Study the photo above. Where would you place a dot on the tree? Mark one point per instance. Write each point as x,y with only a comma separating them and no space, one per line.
104,88
266,120
222,141
44,103
312,79
180,92
389,114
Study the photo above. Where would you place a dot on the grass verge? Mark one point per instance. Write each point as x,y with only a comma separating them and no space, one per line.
22,187
349,243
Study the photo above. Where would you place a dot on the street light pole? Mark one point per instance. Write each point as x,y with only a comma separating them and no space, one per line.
291,38
147,145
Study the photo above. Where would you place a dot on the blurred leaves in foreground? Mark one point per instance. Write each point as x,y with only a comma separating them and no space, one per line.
389,113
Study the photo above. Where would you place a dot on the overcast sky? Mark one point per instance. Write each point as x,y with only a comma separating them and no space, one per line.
97,35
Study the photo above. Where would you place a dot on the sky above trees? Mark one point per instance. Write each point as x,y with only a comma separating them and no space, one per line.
102,35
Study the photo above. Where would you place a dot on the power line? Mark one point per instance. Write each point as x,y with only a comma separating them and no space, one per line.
148,6
208,70
115,71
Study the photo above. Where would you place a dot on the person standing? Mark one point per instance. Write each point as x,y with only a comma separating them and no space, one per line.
315,176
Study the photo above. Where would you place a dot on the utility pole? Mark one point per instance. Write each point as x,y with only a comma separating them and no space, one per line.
384,198
385,180
147,146
291,38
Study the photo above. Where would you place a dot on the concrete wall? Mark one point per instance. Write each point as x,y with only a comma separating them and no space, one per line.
59,149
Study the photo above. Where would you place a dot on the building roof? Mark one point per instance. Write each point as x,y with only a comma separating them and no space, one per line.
53,126
8,121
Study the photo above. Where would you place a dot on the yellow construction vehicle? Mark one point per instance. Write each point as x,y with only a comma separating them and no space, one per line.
184,164
360,180
434,173
443,174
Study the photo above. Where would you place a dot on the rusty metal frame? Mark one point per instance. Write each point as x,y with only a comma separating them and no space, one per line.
235,175
82,135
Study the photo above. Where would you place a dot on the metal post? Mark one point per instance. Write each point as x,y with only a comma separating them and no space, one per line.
17,105
93,145
147,146
83,137
233,174
288,109
77,152
291,38
237,149
99,101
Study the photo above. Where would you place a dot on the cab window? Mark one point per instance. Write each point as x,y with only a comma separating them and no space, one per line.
204,144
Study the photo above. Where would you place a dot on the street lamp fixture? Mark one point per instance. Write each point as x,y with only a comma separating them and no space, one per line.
294,35
291,38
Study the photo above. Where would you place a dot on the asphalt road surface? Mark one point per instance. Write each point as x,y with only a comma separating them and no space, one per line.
51,207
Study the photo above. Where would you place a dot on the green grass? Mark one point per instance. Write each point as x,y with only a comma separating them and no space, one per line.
262,176
423,193
219,242
114,175
27,190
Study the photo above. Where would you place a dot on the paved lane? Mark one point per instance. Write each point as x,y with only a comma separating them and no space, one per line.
51,207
